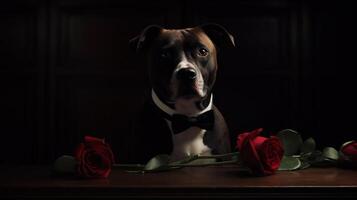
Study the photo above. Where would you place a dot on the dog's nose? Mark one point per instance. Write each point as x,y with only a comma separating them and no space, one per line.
187,74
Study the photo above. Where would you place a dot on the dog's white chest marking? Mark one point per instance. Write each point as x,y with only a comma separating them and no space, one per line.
190,141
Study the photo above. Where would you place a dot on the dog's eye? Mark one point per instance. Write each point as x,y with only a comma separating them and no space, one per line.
164,54
202,52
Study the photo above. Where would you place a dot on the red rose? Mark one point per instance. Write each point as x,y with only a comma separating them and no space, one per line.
94,157
260,154
349,151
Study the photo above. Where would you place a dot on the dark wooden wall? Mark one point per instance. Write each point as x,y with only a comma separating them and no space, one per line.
66,69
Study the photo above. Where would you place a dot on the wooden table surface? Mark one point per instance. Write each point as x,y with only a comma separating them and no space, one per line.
203,182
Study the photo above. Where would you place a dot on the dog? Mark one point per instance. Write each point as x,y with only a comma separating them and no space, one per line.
179,118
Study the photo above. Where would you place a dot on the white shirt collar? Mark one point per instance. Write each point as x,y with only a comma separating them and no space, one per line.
162,106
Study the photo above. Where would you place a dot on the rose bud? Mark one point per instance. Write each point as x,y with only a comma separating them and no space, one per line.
260,154
94,157
349,151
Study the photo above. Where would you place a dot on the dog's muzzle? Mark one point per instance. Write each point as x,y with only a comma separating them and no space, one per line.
186,75
187,78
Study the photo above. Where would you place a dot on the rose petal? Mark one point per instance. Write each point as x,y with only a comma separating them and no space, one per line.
95,158
271,153
79,151
350,151
255,133
247,135
251,158
241,138
107,172
90,139
258,141
103,148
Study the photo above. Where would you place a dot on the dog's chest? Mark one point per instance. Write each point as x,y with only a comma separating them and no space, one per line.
189,142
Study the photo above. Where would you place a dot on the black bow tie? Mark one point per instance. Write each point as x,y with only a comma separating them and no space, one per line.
181,122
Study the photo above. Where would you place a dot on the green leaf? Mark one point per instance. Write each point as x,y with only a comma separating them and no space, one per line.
313,158
321,159
323,162
129,167
330,153
289,163
185,160
158,162
308,146
304,165
65,165
291,140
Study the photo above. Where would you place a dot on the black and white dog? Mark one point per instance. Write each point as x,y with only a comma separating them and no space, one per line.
180,119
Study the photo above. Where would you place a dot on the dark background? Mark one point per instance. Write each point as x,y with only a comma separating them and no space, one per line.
66,70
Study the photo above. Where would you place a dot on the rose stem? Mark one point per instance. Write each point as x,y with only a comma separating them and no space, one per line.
128,165
207,164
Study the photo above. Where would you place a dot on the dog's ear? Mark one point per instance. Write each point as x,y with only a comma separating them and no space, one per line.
144,40
218,34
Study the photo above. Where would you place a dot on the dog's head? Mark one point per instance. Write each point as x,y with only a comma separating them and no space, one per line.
182,62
